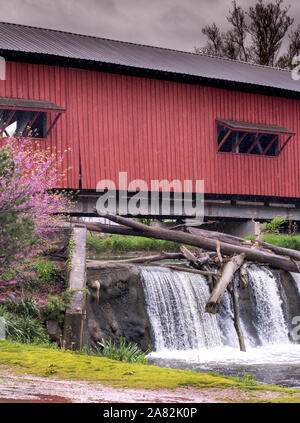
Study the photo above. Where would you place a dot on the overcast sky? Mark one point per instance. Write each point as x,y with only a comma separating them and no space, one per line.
166,23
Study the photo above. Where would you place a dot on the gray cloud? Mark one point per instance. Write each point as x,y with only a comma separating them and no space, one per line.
166,23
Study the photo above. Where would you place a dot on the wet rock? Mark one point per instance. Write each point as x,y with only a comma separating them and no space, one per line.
291,292
120,308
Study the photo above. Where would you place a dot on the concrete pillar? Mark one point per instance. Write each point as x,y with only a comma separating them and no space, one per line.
241,228
75,317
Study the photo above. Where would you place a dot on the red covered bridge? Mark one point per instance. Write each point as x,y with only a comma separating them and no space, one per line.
156,114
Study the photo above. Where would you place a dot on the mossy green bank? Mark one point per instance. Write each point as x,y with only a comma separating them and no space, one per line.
51,362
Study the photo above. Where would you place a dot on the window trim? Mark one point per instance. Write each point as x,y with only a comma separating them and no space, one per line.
32,105
248,128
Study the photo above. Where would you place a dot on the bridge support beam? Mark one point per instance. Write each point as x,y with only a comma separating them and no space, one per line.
218,209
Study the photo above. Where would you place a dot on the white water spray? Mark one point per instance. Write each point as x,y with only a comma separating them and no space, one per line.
175,303
185,336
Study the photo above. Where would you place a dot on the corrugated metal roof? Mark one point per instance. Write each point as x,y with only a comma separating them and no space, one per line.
18,103
20,38
273,129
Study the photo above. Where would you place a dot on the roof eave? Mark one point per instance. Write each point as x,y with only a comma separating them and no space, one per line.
41,58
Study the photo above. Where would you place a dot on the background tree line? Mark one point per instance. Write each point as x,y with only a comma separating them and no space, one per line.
256,35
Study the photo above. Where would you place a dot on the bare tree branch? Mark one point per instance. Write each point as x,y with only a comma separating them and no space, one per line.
256,35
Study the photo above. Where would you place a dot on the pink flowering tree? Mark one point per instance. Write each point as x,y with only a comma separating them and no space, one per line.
28,206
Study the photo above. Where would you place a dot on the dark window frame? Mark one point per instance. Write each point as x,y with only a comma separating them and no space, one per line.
46,122
249,139
41,114
30,123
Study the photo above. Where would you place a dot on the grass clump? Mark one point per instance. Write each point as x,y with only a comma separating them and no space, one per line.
25,318
126,352
249,380
122,243
25,307
23,327
272,233
281,240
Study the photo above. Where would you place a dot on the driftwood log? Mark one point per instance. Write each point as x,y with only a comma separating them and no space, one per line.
226,238
236,317
189,270
252,254
148,259
110,229
228,272
229,239
196,262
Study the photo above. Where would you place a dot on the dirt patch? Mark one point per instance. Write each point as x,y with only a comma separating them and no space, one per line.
30,389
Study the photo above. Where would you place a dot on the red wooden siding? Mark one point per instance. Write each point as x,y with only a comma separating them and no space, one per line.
158,130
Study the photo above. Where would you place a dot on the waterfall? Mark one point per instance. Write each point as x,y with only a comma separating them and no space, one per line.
184,336
268,305
176,300
175,303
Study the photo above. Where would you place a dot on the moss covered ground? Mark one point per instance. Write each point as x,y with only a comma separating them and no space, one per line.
50,362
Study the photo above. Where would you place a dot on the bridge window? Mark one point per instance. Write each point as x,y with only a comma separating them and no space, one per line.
245,138
27,118
21,123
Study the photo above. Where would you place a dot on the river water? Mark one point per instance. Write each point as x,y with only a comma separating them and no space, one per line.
186,337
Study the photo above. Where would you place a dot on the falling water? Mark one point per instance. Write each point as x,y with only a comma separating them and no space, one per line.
175,302
264,293
185,336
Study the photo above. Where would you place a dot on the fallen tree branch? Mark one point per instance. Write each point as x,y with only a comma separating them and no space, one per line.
197,262
294,254
228,272
236,314
147,259
219,252
244,274
229,239
189,270
111,229
251,254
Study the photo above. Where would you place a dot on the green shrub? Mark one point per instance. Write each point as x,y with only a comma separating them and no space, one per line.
26,307
275,225
95,243
55,307
126,352
47,272
23,328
